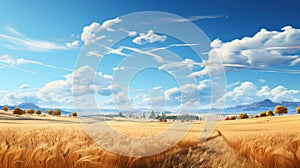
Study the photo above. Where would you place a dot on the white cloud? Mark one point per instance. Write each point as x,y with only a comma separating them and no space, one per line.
145,52
265,49
149,37
117,51
13,62
262,81
60,93
190,95
233,84
185,64
19,41
173,45
247,93
200,17
130,33
119,69
25,86
157,88
90,33
73,44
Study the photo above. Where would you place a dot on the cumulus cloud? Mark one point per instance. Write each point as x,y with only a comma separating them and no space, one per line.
265,49
60,92
190,95
247,92
149,37
91,32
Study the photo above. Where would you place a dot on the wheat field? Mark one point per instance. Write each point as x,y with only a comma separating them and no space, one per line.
48,141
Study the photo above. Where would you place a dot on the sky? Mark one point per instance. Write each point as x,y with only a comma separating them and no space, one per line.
105,53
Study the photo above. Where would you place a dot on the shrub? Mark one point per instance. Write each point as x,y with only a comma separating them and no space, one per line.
232,117
57,113
244,116
270,113
298,110
5,108
38,112
74,114
18,110
262,114
50,112
227,118
31,111
256,116
280,110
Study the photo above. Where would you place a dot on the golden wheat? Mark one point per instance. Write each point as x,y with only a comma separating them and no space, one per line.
259,142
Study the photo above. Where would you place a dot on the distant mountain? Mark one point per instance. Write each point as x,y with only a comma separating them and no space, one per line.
27,106
264,105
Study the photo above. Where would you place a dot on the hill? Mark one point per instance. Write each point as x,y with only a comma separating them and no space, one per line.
264,105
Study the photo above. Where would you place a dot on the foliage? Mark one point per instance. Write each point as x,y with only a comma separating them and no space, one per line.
120,114
298,110
255,116
269,113
38,112
262,114
152,115
232,117
50,112
244,116
74,114
18,110
5,108
57,112
280,110
31,111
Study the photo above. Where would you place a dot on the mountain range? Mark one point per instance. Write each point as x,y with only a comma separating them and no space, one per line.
264,105
255,107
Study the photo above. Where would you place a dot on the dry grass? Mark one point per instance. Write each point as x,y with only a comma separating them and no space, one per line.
259,142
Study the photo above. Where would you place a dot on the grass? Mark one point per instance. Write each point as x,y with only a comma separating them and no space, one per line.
258,142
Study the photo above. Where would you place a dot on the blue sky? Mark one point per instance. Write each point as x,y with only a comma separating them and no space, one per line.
40,42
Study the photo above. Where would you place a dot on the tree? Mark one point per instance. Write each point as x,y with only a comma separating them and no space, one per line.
152,115
74,114
269,113
280,110
31,111
5,108
244,116
262,114
298,110
18,110
163,115
50,112
120,114
57,112
38,112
